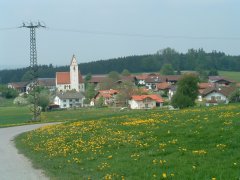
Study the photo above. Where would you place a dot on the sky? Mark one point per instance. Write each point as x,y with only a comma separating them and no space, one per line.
103,29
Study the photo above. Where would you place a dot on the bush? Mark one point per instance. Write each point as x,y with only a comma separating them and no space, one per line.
181,101
8,92
235,96
20,101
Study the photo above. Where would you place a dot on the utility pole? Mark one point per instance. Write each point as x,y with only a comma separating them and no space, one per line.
34,67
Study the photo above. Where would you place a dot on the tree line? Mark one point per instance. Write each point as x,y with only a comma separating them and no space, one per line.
194,59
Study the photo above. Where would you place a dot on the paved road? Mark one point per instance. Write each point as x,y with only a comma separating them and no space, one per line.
14,166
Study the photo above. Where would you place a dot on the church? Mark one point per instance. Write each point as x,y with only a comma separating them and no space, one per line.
67,81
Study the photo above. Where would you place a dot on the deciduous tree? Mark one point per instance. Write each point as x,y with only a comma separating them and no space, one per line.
187,91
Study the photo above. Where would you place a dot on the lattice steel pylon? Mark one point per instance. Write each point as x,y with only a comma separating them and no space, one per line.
34,67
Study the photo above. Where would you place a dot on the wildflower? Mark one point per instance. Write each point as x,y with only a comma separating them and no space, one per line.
164,175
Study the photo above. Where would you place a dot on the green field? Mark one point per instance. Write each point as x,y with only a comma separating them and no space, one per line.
197,143
231,75
21,115
12,116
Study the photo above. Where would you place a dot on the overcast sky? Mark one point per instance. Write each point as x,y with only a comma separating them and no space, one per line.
103,29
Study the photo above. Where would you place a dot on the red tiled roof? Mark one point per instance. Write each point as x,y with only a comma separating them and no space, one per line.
226,91
163,86
155,97
64,78
142,76
205,85
98,79
106,93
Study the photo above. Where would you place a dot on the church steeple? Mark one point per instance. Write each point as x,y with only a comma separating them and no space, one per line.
74,74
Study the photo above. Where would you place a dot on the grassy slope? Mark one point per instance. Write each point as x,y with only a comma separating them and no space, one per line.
231,74
13,115
187,144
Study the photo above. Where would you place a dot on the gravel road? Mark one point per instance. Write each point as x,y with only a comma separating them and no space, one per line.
15,166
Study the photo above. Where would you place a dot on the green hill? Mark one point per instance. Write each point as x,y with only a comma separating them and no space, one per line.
198,143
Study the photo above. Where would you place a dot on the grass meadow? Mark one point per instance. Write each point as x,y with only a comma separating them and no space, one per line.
13,116
231,75
195,143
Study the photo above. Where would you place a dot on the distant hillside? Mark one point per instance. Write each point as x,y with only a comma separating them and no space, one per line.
192,60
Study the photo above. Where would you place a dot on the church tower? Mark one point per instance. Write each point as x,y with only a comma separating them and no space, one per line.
74,74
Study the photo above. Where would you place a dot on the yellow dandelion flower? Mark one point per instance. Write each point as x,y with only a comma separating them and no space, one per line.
164,175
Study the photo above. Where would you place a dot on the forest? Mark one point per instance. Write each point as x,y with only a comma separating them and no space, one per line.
193,59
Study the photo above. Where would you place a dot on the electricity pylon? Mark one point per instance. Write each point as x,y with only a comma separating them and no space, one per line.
34,67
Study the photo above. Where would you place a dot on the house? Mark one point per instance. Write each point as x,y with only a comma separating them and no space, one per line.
48,83
152,81
204,85
109,96
220,81
69,99
126,79
172,90
21,87
171,79
145,101
67,81
216,95
140,79
163,88
97,80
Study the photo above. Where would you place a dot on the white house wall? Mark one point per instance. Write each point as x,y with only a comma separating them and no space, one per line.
217,96
141,105
65,103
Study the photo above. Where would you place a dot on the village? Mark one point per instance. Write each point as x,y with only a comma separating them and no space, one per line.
141,91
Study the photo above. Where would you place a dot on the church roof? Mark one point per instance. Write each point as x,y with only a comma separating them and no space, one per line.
64,78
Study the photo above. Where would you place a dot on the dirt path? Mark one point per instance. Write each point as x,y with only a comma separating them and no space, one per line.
13,165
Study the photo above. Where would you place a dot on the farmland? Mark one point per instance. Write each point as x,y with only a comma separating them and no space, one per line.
195,143
231,75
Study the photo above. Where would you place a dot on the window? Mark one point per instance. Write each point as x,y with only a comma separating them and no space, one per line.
212,97
64,100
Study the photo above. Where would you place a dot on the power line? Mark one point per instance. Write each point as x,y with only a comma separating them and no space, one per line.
125,34
143,35
8,28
